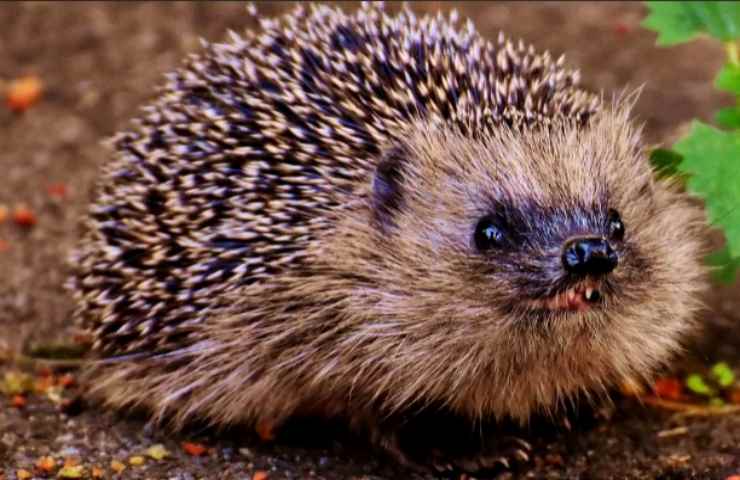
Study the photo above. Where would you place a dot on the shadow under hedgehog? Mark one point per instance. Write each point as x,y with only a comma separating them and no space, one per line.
385,219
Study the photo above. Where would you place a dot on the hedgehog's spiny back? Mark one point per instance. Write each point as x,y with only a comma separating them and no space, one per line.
229,175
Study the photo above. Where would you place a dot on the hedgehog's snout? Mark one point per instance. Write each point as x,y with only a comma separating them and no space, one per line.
589,256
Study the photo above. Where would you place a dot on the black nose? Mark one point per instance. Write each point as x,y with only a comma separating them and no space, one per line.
592,255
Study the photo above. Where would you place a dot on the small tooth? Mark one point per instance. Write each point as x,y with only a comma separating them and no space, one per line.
589,293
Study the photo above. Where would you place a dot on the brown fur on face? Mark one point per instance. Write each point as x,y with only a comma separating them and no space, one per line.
397,308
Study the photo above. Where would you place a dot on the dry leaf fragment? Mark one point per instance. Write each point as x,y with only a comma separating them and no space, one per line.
23,93
117,466
670,388
22,474
265,430
46,464
16,383
57,190
55,394
23,216
157,451
260,475
194,449
72,471
67,380
44,383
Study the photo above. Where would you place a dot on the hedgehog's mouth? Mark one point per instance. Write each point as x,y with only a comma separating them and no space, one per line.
580,297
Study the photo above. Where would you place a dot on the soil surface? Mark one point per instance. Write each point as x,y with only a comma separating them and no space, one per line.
100,61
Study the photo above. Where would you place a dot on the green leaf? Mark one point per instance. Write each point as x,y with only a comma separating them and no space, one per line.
720,19
728,117
696,384
673,22
665,162
712,159
728,79
723,374
678,22
725,266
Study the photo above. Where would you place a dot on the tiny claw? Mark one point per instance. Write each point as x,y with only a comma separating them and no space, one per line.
440,468
521,455
522,443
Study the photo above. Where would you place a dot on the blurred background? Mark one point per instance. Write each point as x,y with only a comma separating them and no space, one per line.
97,62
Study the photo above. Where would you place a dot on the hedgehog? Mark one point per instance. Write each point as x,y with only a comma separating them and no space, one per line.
388,220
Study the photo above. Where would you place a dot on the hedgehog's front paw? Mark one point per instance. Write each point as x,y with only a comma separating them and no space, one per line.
389,441
506,453
448,446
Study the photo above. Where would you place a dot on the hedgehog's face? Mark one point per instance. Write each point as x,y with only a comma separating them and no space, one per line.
555,260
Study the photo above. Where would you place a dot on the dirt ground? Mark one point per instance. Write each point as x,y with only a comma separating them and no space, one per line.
100,61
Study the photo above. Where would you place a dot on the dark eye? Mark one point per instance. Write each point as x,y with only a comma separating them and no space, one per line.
488,234
616,227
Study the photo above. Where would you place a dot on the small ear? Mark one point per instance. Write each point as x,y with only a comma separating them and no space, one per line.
387,195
